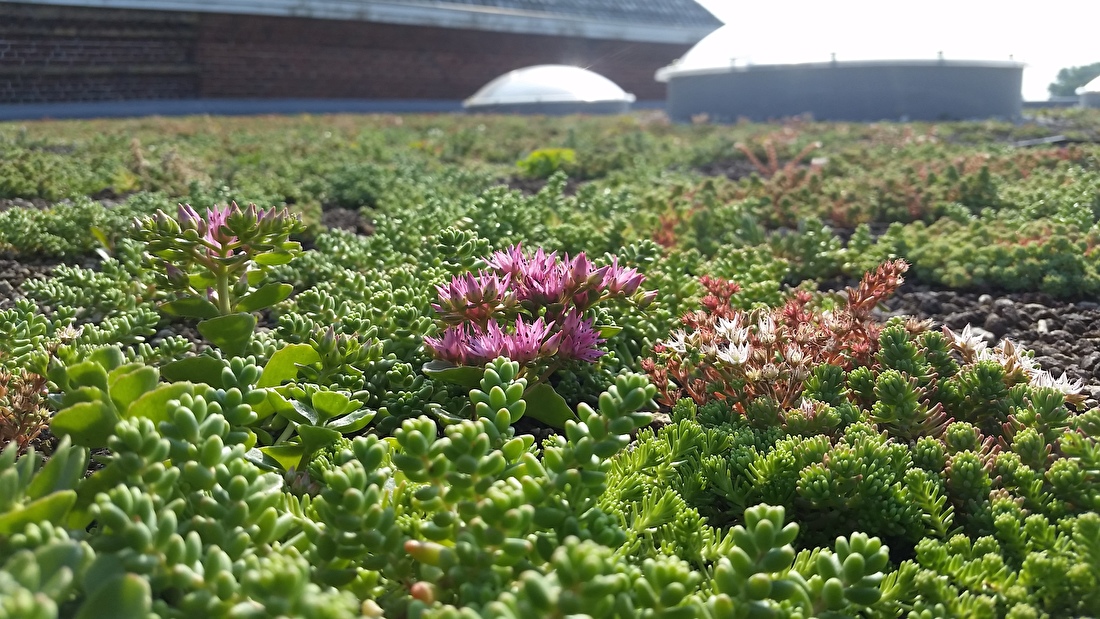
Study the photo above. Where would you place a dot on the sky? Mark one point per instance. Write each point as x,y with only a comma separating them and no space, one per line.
1047,35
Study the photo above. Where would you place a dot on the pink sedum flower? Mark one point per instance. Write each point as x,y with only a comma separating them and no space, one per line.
450,345
621,280
213,228
485,345
510,261
579,339
531,341
553,291
474,298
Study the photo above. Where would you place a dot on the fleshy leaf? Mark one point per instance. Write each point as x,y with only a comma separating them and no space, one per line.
462,375
298,413
109,357
283,365
608,331
353,421
87,423
265,296
273,403
287,455
87,374
125,597
230,333
329,404
198,369
64,469
273,258
316,437
154,405
125,388
191,307
50,508
546,405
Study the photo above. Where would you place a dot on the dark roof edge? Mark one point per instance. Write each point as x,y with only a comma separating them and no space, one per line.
425,13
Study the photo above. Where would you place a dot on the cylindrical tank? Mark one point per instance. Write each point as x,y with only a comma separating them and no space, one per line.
852,90
550,89
736,73
1090,94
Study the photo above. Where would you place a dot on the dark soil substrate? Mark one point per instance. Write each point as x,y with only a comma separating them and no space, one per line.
531,186
15,269
733,169
12,275
346,219
108,198
1064,335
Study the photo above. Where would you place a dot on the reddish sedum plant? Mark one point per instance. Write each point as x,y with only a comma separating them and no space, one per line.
735,355
23,415
529,307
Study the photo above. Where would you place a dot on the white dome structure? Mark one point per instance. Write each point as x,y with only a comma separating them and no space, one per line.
550,89
1090,94
720,80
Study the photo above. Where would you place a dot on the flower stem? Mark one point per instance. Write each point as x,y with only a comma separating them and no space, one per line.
223,291
549,371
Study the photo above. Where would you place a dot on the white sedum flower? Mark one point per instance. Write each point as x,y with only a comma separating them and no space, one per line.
735,354
732,330
1044,378
678,342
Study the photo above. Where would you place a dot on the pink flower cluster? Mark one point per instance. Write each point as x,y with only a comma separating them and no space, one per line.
543,279
214,228
541,300
470,344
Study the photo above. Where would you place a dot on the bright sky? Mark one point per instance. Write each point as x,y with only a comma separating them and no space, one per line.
1046,34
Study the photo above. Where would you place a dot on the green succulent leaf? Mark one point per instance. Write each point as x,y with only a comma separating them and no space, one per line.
191,307
50,508
62,471
547,405
88,374
299,413
274,258
154,405
263,297
462,375
202,369
329,404
125,597
316,437
129,386
283,365
87,423
287,455
608,331
108,357
230,333
352,422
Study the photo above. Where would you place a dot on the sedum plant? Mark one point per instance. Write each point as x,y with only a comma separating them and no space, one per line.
536,309
216,265
762,358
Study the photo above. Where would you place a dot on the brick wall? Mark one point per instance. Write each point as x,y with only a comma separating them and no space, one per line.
87,54
77,54
251,56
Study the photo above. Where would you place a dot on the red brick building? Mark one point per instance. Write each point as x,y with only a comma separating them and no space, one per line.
114,50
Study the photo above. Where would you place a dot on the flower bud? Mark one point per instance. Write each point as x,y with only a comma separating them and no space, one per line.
176,277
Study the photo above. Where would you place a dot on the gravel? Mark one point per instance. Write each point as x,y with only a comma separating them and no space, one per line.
1064,335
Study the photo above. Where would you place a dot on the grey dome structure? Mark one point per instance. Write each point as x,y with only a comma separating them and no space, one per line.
710,81
1090,94
550,89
